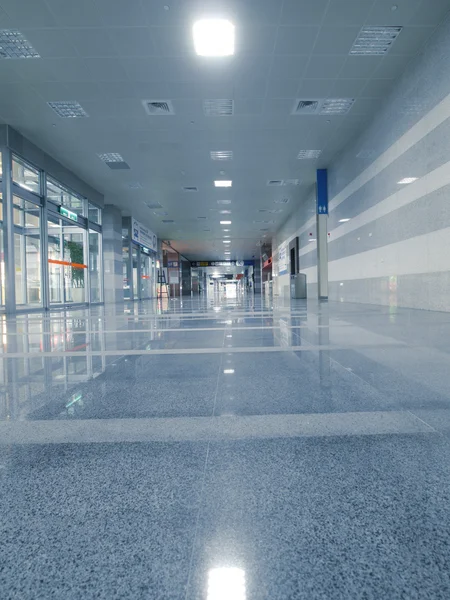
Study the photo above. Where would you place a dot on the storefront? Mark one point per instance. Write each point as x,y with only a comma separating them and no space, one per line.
50,240
140,258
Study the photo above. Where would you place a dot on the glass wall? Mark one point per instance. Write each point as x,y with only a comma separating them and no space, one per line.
134,260
66,259
61,196
27,252
95,274
72,231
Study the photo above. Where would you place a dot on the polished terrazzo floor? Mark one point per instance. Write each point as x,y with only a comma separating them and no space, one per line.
225,449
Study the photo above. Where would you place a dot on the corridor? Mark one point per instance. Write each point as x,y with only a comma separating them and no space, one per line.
225,449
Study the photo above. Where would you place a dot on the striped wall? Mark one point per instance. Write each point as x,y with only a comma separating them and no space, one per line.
395,249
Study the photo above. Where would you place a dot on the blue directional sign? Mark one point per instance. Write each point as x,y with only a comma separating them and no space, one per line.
322,192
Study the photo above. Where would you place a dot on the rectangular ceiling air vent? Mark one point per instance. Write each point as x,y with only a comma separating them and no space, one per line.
168,221
13,44
327,106
291,182
275,182
308,154
153,205
191,188
375,41
282,201
270,211
306,107
134,185
221,154
202,217
156,108
223,201
114,161
160,213
68,109
218,107
336,106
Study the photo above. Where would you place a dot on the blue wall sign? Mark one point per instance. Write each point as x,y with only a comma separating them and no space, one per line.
322,192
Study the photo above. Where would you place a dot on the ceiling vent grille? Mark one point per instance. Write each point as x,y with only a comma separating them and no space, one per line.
191,188
308,154
114,161
327,106
275,182
168,221
282,201
68,109
14,45
134,185
218,108
291,182
306,107
156,108
153,205
221,154
375,41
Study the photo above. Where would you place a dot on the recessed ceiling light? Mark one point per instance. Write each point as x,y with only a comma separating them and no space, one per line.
225,230
223,201
375,41
226,236
213,37
221,154
68,109
228,371
223,183
407,180
225,212
312,240
343,220
110,157
14,45
308,154
336,106
226,241
225,222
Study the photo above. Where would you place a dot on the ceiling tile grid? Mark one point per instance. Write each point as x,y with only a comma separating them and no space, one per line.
110,56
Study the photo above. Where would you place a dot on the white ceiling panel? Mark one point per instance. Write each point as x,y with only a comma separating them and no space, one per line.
110,55
303,13
348,12
93,42
295,40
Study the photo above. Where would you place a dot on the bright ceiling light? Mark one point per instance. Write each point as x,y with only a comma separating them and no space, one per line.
228,371
213,37
226,241
406,180
343,220
223,183
225,222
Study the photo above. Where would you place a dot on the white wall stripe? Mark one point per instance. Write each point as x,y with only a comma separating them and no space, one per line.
427,184
417,132
427,253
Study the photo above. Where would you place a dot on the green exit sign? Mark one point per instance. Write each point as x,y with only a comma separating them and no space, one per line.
68,213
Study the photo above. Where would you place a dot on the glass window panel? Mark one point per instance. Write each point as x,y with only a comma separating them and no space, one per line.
26,176
2,256
27,245
61,196
94,214
95,266
126,273
146,276
55,270
75,271
134,258
1,164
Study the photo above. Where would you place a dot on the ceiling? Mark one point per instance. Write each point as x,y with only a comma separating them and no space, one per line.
109,55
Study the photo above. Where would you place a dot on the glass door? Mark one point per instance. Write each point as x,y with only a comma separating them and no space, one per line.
146,278
134,258
27,252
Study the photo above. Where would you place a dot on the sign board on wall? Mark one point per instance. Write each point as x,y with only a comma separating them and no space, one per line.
282,260
143,235
221,263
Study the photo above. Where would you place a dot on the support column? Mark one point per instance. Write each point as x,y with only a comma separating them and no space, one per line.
257,277
322,233
112,253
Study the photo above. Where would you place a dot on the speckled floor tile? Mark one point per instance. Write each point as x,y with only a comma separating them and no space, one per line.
326,519
103,521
